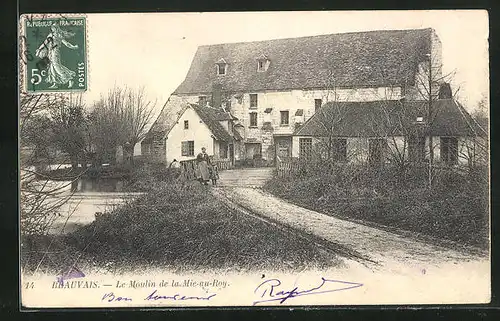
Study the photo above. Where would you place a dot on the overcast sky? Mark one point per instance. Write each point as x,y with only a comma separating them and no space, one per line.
155,50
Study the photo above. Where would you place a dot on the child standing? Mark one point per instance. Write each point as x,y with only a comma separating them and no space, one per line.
214,174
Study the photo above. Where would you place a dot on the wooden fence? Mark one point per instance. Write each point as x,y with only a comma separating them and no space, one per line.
286,167
289,167
188,167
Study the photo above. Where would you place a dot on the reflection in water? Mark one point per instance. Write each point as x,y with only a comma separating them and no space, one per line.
97,185
90,196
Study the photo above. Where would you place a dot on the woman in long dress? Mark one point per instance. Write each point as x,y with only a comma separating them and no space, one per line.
57,73
203,162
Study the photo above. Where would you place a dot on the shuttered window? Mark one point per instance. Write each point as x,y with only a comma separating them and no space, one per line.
305,147
449,150
339,150
253,100
317,104
253,119
285,117
187,148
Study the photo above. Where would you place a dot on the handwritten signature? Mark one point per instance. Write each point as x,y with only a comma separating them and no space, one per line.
111,297
271,290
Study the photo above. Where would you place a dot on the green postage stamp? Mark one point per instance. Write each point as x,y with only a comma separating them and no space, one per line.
54,53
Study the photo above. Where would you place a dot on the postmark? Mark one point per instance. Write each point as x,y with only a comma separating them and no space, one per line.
54,53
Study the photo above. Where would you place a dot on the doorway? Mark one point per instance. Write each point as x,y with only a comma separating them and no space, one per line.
253,150
283,146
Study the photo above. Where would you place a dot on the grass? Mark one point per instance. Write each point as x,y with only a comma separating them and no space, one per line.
455,209
177,227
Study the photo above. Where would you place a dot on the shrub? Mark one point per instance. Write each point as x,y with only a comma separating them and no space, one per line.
456,208
184,226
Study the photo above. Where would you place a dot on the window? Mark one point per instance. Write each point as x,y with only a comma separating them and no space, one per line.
187,148
263,64
317,104
202,101
221,69
253,100
283,148
449,150
284,116
223,151
376,151
253,119
416,148
339,150
186,124
305,147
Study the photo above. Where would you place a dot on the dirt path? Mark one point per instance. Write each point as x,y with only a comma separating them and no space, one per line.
245,177
370,243
378,248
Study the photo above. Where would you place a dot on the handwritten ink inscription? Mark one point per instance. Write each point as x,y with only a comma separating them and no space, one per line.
154,296
272,290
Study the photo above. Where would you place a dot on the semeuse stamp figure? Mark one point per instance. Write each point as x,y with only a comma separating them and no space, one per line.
57,73
59,62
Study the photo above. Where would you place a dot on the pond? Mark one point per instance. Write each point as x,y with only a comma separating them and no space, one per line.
88,196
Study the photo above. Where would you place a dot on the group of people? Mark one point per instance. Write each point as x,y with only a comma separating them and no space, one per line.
205,170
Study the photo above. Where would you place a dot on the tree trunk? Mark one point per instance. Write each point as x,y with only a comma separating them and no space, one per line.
74,163
431,160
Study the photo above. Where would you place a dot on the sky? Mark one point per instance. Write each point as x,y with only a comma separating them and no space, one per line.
154,50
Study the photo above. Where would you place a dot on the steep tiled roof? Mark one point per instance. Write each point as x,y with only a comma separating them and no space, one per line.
380,118
358,59
211,117
167,119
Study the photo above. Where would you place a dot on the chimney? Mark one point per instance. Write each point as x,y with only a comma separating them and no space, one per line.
216,95
445,91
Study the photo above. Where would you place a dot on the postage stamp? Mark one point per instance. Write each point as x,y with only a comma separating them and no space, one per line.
211,161
54,53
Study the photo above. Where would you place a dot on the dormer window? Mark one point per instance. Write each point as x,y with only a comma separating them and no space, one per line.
263,63
221,66
221,69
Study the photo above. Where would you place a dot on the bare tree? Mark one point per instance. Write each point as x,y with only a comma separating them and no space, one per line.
137,114
40,196
428,81
69,126
120,119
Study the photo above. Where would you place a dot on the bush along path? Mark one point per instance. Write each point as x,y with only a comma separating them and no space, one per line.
382,248
178,227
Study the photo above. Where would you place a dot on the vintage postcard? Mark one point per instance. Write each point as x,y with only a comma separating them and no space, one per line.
254,159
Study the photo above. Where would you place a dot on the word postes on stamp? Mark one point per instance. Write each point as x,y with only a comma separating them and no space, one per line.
54,54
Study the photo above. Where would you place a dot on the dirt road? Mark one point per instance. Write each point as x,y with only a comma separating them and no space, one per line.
377,248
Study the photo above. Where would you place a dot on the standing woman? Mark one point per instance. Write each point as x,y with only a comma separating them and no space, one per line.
203,161
57,73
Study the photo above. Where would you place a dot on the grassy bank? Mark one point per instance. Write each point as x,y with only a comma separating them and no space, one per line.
176,226
454,209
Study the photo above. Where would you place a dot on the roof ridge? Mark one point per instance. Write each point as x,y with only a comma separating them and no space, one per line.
320,35
211,122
